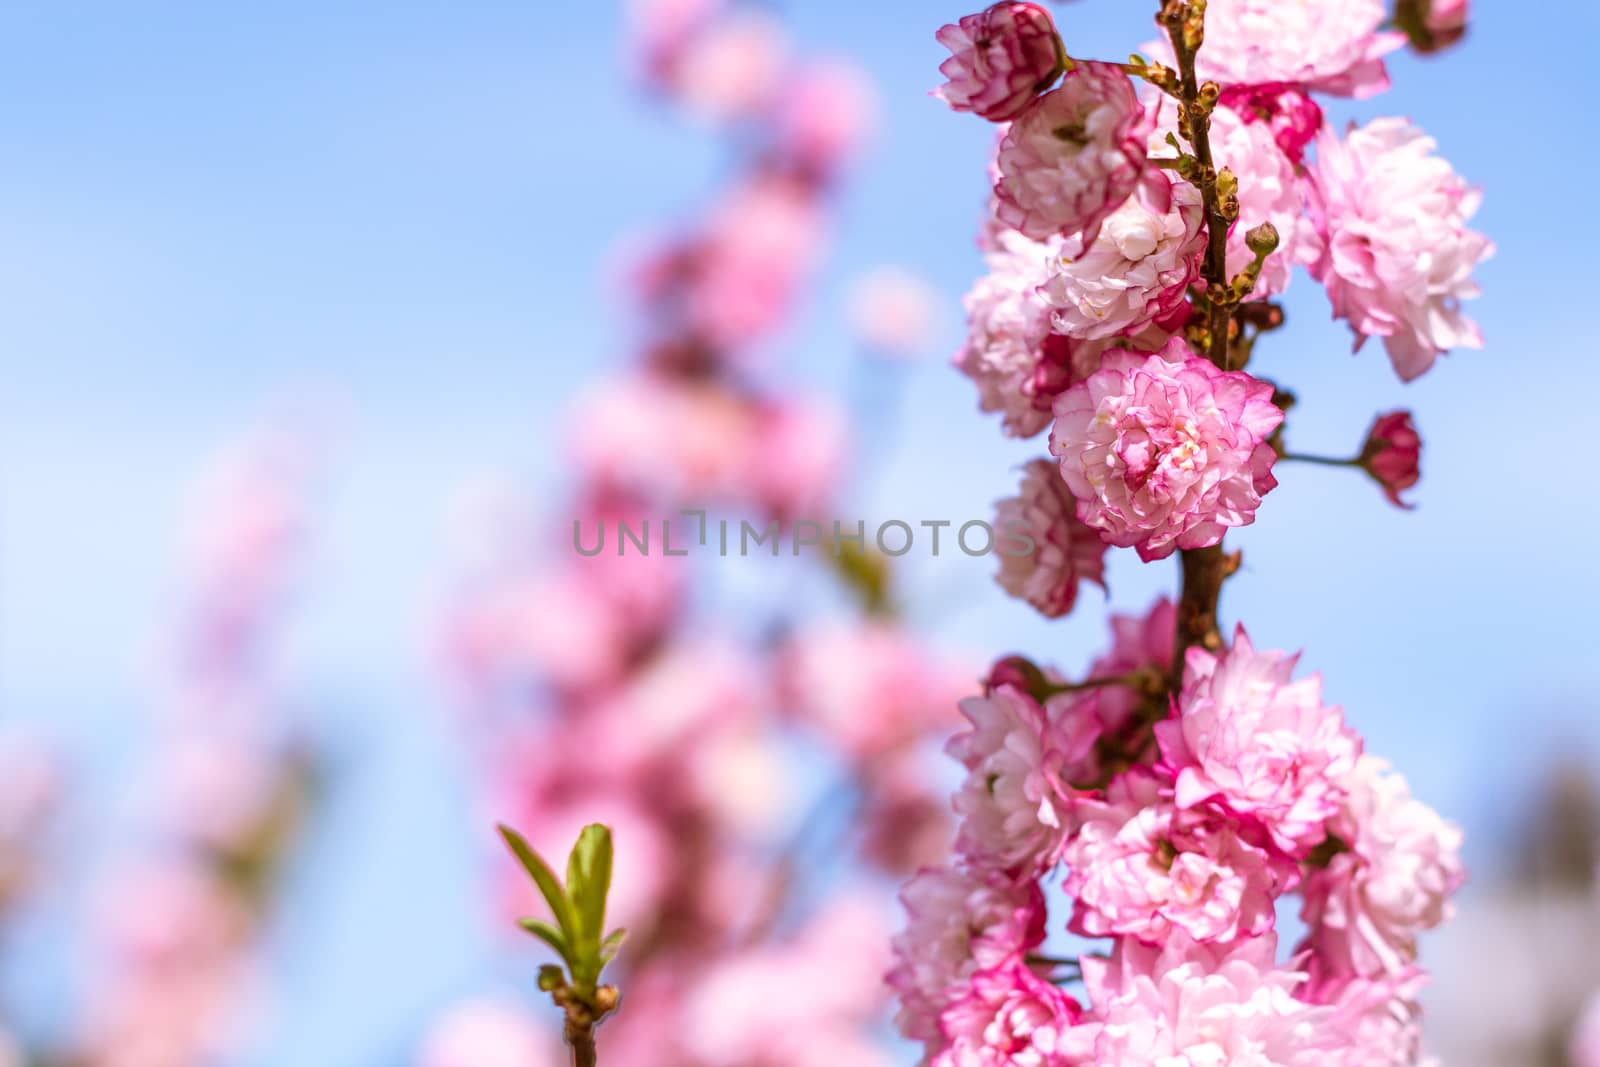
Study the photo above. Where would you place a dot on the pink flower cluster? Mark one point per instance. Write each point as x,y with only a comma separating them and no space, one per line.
1177,830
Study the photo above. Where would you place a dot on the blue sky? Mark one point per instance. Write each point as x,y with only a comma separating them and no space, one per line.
414,207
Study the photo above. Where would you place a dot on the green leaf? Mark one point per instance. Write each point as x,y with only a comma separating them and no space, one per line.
613,942
589,881
552,937
560,906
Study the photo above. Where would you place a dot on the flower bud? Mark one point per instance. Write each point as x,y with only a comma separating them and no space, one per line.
1263,240
1392,454
1432,25
1001,58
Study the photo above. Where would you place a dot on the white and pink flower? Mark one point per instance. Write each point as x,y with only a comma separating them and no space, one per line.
1073,156
1165,451
1249,739
1065,554
1013,813
1391,242
1000,59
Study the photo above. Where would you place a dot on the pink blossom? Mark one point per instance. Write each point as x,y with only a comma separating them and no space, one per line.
1013,815
1184,1003
1433,25
905,815
1073,156
893,312
1392,243
1335,46
1018,364
1291,114
1139,866
1138,643
1249,740
1585,1045
1165,451
767,1004
1401,867
490,1033
1136,271
826,115
1392,454
868,688
1001,58
1010,1017
1065,552
663,439
1269,191
730,69
1381,1020
659,30
958,921
797,457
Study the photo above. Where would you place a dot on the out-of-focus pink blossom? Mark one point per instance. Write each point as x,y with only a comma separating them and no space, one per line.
1391,241
1071,159
1393,453
215,790
1249,739
905,823
1433,25
1381,1020
490,1032
958,921
1001,58
826,115
1137,271
31,783
659,30
1010,1017
1290,113
768,1004
761,243
1065,552
668,439
893,312
1165,451
1189,1003
731,68
797,458
1138,866
1335,46
1585,1050
867,687
1396,878
1013,813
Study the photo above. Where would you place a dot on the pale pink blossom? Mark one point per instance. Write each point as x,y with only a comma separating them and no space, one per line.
1395,878
1392,454
893,312
1065,552
1585,1045
1248,739
1001,58
796,459
1391,241
659,30
958,921
1137,271
1335,46
1010,353
31,790
867,687
1184,1004
905,815
767,1004
1269,191
731,68
1139,866
490,1032
1073,156
1010,1017
1165,451
826,115
1290,113
1013,813
1381,1021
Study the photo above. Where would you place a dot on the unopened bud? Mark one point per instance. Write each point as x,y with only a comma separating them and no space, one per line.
1262,240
